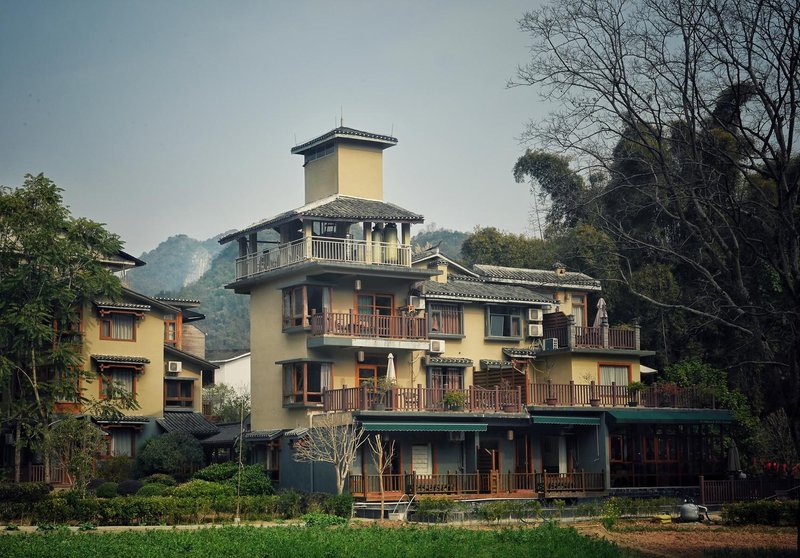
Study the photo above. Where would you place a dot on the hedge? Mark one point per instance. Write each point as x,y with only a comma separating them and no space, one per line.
763,512
24,491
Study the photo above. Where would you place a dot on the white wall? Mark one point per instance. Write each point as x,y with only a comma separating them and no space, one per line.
234,373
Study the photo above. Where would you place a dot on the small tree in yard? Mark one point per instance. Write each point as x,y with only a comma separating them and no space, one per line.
75,442
226,403
382,454
335,440
175,454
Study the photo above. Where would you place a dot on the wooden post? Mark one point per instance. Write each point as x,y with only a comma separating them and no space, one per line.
702,490
613,394
496,398
571,393
363,402
420,405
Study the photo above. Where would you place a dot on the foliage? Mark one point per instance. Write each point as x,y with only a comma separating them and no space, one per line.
254,481
338,504
226,404
24,491
762,512
324,520
446,240
174,454
160,478
333,439
152,489
75,443
289,503
247,541
510,509
491,246
51,266
200,488
435,508
454,399
774,441
107,490
129,486
94,484
116,468
217,472
611,512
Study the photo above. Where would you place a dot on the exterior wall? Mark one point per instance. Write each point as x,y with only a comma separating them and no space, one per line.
192,371
234,373
193,341
353,170
321,178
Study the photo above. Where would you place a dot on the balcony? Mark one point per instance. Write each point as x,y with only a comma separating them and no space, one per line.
602,337
596,395
323,249
477,400
347,329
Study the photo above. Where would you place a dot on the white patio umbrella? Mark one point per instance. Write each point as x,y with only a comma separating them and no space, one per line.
734,465
602,312
391,376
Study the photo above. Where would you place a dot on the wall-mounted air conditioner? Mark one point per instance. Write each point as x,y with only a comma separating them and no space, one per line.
551,344
534,314
437,346
417,302
456,436
174,366
535,330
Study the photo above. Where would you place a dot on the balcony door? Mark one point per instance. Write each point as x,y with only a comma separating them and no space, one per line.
375,313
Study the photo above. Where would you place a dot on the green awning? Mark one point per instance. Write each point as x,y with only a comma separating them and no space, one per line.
424,427
683,416
553,419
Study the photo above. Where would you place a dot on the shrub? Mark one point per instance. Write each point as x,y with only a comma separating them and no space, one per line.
217,472
323,520
24,491
174,454
435,508
129,486
94,484
116,468
339,504
203,489
107,490
254,482
160,478
152,489
289,503
494,511
763,512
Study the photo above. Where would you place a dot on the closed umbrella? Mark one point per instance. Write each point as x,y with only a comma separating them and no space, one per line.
734,466
391,376
602,312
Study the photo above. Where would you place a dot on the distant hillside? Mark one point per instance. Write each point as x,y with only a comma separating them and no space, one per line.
188,268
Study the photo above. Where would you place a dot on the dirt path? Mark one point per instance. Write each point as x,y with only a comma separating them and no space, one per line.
689,540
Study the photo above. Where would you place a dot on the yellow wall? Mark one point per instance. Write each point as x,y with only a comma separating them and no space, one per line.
352,170
580,368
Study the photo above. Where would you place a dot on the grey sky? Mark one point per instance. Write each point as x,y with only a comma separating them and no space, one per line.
161,118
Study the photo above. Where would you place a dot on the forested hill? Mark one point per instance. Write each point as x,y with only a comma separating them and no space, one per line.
188,268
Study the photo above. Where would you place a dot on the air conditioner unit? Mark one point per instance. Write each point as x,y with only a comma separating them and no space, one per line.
534,314
551,344
417,302
456,436
535,330
437,346
174,366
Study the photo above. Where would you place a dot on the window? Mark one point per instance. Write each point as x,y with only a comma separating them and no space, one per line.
445,378
579,309
304,382
375,304
120,327
503,321
113,381
172,329
122,441
300,303
617,373
446,319
179,393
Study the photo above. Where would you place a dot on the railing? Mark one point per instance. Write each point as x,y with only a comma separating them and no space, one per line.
369,325
493,482
739,490
323,249
421,399
596,395
58,475
593,337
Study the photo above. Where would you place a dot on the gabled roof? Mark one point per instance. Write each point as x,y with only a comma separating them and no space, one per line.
183,355
143,303
227,434
343,132
476,290
224,356
334,208
187,422
120,359
434,256
537,277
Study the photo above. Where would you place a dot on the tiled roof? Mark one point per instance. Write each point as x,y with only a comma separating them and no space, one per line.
466,289
345,132
121,359
449,361
187,422
514,352
122,419
262,435
487,364
170,300
183,355
538,277
226,355
228,434
335,208
121,305
296,433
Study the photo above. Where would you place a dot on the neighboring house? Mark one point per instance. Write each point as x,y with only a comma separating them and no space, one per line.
233,369
341,303
148,346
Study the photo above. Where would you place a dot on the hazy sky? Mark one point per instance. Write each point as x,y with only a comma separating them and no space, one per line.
169,117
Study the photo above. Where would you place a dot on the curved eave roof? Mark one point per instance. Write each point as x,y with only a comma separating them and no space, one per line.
334,208
344,132
538,277
480,291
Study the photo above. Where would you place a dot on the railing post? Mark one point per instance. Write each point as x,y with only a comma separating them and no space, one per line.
363,403
519,398
571,332
604,332
571,393
613,394
496,398
420,404
637,330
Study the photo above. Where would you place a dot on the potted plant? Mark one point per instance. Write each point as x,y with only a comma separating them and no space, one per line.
594,400
633,393
507,397
455,400
382,388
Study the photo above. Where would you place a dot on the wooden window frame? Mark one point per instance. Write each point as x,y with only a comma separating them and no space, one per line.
106,372
179,398
290,317
176,321
584,304
440,309
302,397
374,305
511,316
627,365
107,317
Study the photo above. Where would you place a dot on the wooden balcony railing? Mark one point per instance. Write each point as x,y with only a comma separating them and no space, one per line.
580,337
343,250
596,395
494,482
739,490
349,324
421,399
58,474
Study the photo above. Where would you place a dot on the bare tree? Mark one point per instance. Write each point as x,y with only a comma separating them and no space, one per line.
382,455
690,108
333,439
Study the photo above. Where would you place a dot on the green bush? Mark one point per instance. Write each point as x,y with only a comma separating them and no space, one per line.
160,478
152,489
200,488
763,512
339,504
289,503
107,490
522,509
94,484
217,472
254,481
323,520
24,491
175,454
129,486
435,508
116,468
